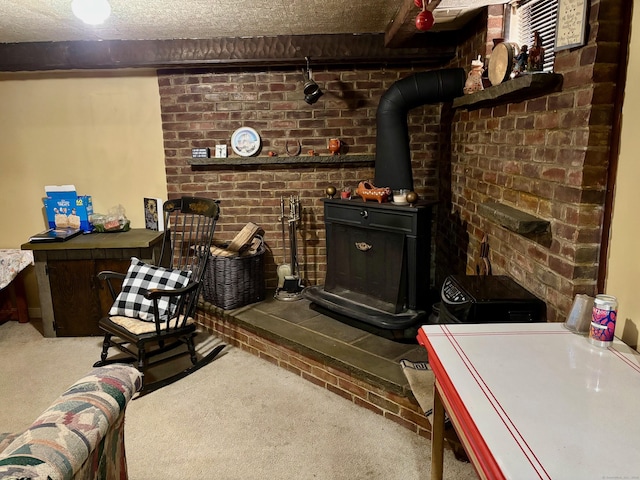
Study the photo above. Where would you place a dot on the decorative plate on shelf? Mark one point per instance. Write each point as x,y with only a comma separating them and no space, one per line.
245,141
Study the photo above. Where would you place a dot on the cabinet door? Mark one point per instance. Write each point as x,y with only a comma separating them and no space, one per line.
79,298
75,306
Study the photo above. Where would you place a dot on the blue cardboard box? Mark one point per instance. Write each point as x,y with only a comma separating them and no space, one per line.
66,209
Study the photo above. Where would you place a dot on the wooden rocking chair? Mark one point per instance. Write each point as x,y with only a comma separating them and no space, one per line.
153,312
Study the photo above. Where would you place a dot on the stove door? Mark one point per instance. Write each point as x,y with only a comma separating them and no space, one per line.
367,266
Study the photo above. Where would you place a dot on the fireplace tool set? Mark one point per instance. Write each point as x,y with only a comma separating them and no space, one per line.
289,282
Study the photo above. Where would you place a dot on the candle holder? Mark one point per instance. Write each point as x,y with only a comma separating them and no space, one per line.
400,196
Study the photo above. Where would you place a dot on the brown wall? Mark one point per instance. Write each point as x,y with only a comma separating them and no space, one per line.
623,267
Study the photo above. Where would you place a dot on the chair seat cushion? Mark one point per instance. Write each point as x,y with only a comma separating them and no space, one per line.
140,327
140,278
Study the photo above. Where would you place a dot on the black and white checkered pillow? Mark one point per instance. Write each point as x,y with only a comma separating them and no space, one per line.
140,278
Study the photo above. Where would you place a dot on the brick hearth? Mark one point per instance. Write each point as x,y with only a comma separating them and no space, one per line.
360,366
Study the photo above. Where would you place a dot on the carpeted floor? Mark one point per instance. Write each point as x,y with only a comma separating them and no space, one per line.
237,418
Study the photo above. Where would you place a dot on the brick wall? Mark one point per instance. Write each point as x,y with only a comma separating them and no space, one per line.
202,108
547,156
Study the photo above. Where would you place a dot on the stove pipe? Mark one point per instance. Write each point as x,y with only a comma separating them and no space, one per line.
393,158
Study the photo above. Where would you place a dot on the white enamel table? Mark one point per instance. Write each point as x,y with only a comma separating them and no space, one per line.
533,401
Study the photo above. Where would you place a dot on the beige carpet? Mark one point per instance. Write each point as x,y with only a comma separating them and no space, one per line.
239,417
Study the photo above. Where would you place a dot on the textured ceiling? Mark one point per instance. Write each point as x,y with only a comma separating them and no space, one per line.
52,20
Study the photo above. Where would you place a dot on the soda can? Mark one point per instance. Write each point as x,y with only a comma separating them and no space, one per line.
603,320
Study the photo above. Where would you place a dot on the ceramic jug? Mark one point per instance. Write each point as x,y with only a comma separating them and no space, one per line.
474,79
334,146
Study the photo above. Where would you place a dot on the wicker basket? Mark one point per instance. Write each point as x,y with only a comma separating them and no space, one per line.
233,282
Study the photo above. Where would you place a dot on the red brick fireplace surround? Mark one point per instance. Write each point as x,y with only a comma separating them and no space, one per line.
545,155
397,406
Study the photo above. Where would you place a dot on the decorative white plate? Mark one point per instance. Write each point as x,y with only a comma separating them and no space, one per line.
245,141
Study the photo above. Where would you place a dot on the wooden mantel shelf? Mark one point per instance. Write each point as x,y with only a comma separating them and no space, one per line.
283,160
511,91
522,223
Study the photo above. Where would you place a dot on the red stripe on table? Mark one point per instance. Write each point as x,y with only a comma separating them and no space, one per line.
479,450
499,334
625,359
497,406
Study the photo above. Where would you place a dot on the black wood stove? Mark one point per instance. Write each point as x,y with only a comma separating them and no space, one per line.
378,262
378,254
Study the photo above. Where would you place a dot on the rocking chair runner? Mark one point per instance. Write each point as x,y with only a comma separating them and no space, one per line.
153,313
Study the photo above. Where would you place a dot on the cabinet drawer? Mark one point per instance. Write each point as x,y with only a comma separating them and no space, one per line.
393,221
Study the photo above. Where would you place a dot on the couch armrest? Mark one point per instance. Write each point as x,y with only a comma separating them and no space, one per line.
63,437
6,439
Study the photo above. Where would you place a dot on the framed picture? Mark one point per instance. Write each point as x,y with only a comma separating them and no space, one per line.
153,214
571,24
221,151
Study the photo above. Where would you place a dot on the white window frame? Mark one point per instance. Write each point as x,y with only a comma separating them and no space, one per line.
527,16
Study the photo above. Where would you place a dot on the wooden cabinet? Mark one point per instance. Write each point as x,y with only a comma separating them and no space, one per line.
72,298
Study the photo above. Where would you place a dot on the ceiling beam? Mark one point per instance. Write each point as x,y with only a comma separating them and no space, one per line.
403,26
242,52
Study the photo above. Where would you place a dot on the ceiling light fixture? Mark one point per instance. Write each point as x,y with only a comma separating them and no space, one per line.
311,89
92,12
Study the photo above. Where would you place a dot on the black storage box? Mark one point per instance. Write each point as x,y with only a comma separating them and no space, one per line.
488,299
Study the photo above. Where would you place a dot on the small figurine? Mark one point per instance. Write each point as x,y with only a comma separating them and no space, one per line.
334,146
368,191
536,54
474,80
521,62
